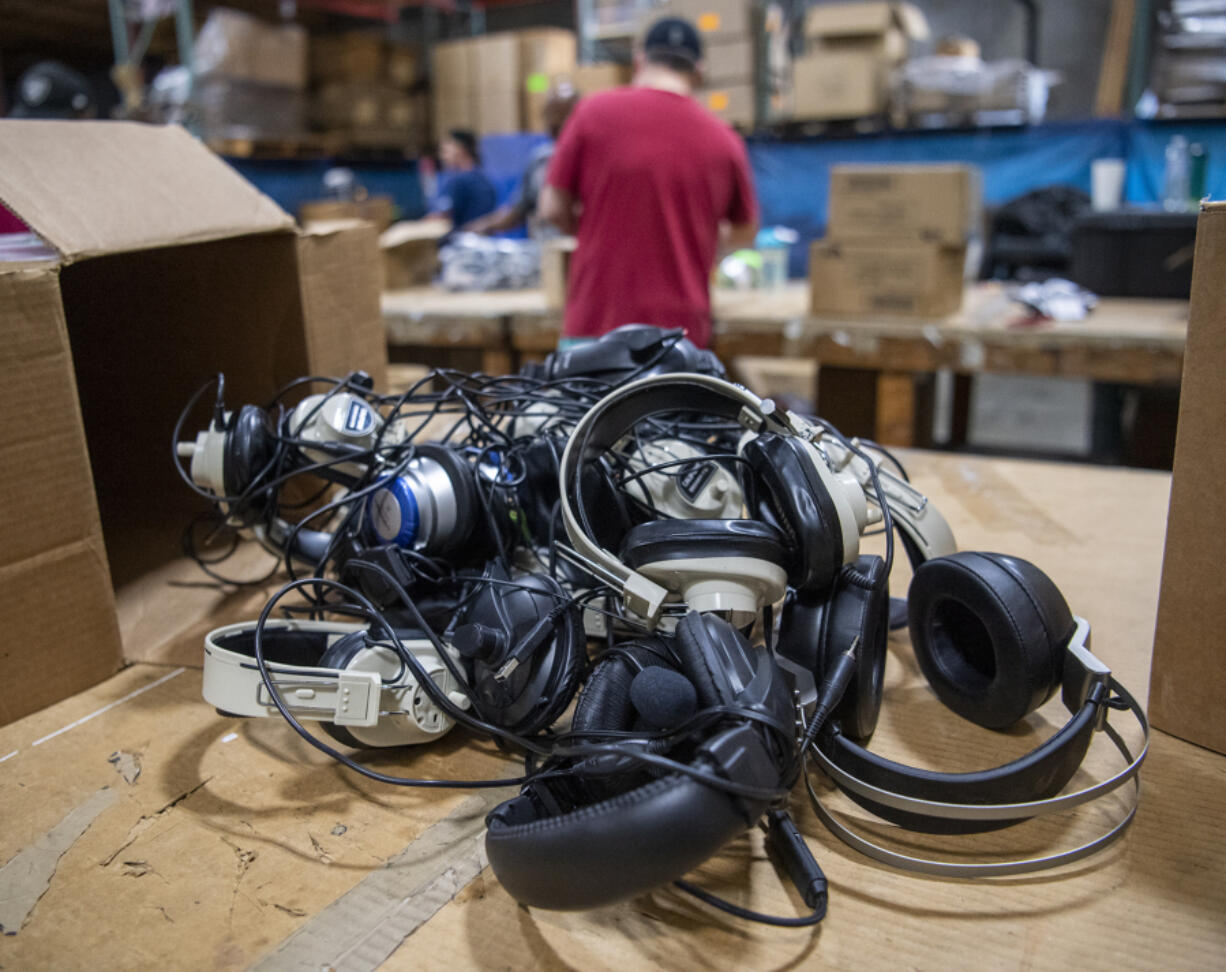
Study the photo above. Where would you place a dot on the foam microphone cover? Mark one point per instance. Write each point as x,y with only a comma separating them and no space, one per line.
662,697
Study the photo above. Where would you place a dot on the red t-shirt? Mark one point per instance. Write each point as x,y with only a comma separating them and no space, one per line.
655,173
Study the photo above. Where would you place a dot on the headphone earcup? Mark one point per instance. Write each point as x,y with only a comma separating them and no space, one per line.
813,634
250,446
989,633
470,517
715,656
793,497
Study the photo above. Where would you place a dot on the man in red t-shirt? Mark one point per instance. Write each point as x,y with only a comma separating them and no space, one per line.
651,183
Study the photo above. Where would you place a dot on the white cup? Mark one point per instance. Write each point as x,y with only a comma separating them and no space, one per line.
1106,184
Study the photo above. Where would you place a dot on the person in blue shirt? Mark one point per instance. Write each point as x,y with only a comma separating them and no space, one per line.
464,193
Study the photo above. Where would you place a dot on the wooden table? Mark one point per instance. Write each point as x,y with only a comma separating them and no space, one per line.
236,844
868,367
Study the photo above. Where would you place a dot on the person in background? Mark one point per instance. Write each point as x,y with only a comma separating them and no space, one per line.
651,183
559,104
464,193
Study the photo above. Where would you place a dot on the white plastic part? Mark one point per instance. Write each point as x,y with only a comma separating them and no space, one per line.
208,454
849,503
342,417
918,518
686,492
374,697
739,585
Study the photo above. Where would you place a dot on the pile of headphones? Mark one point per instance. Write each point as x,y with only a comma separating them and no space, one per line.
624,529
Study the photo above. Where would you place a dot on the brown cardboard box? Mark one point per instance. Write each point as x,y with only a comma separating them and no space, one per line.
885,278
452,111
714,19
546,56
235,45
730,62
380,210
353,56
164,268
347,104
828,85
733,103
851,50
590,78
409,251
1188,679
494,61
401,65
451,70
941,203
556,255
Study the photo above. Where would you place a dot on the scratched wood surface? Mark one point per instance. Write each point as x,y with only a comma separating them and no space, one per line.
218,840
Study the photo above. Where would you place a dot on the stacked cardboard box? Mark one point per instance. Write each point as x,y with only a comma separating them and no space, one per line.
365,89
590,78
250,77
729,35
896,241
850,51
499,83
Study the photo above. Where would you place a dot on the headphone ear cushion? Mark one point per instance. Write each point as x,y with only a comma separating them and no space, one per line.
250,445
813,634
797,501
715,656
604,702
989,633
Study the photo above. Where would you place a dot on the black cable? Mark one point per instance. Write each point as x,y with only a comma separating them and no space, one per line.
819,912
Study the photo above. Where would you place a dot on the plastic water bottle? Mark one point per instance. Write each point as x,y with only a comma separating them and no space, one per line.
1176,183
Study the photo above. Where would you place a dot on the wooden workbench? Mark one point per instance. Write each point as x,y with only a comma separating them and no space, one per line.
193,841
1133,341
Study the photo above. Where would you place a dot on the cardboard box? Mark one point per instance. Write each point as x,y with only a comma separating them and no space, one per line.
380,210
450,71
450,112
402,65
347,104
940,203
353,56
556,255
409,252
885,278
236,45
165,268
546,56
837,84
715,19
851,48
730,62
1188,679
590,78
733,103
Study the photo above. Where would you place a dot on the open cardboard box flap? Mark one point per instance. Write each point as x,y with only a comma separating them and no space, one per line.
148,186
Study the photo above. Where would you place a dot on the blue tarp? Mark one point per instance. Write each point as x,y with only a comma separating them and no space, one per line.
792,176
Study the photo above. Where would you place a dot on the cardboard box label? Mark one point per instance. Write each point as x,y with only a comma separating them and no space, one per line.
709,22
942,203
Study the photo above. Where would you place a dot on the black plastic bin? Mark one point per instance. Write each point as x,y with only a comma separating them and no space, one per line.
1133,253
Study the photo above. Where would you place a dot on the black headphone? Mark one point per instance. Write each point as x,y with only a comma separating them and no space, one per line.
995,638
609,828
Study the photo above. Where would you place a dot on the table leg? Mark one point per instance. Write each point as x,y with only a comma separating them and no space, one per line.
868,403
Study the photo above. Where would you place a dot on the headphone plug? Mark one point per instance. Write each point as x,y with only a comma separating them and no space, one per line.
834,687
525,649
784,840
